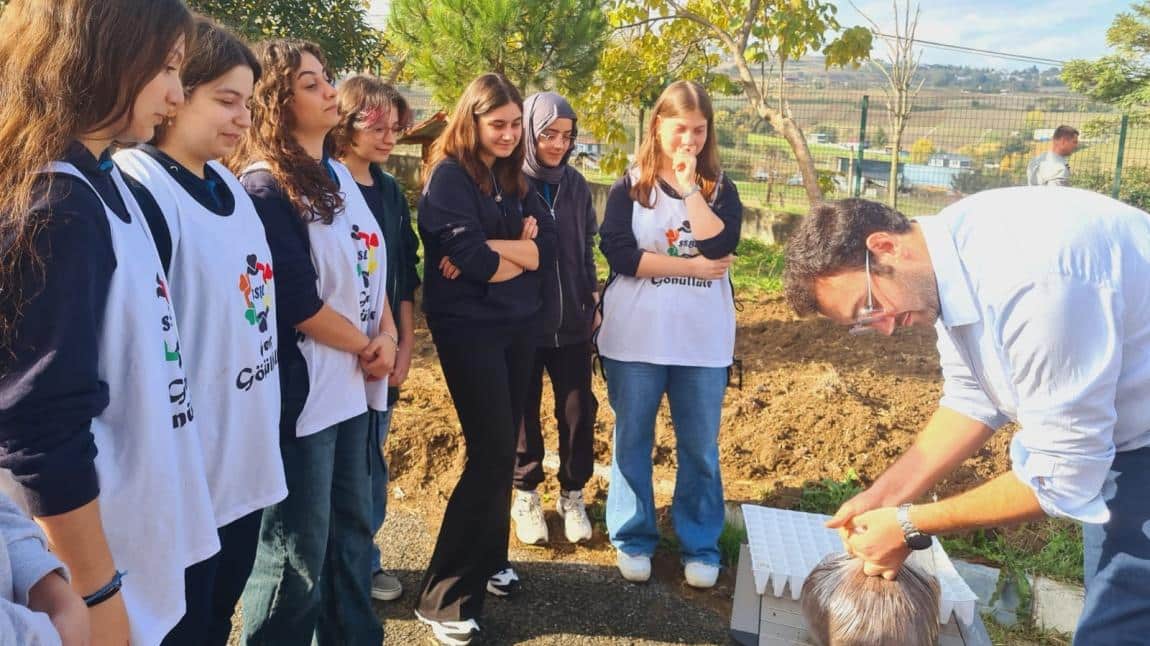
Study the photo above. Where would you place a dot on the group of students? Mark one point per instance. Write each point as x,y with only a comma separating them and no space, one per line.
206,309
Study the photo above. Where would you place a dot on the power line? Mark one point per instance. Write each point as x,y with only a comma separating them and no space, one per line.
984,52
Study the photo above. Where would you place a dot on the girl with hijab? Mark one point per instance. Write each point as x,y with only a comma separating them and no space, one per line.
563,347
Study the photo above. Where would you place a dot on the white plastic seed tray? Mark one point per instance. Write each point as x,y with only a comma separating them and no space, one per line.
787,545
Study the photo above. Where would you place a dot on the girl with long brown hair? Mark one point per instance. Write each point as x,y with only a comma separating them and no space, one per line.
669,229
484,245
222,280
312,573
96,422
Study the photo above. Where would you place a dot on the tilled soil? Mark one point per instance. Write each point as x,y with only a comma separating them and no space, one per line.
815,403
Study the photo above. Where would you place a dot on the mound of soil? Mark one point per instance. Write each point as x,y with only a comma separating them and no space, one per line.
814,403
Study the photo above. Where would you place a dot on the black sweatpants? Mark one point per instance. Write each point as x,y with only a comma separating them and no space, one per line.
487,378
569,367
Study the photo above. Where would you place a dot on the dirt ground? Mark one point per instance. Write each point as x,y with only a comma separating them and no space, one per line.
814,403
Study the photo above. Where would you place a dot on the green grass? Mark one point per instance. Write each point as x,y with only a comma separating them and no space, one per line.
729,542
1024,633
827,495
758,268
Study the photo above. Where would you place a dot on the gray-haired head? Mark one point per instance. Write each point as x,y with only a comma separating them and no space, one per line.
844,607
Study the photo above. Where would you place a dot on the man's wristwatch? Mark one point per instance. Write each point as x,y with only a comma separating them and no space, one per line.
915,539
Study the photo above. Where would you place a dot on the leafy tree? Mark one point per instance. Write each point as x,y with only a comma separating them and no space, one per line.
1121,78
638,61
536,44
761,37
339,27
921,150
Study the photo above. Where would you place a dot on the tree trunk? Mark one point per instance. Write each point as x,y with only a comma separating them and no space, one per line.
794,136
899,126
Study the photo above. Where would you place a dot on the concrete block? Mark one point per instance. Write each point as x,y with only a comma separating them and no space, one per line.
1057,606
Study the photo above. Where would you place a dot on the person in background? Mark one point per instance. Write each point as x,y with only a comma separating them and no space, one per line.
221,279
373,115
669,231
97,425
564,344
1052,168
485,239
311,578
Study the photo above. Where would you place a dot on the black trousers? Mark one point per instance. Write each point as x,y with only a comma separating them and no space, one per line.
569,367
487,378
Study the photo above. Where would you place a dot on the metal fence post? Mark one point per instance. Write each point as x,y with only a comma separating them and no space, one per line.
1118,159
858,178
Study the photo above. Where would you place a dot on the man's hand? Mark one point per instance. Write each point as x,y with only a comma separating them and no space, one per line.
877,539
449,271
530,228
704,268
860,504
54,597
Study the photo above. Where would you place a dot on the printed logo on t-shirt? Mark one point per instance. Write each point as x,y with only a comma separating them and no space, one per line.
256,286
679,244
366,264
181,404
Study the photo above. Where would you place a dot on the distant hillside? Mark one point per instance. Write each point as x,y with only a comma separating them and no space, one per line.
810,71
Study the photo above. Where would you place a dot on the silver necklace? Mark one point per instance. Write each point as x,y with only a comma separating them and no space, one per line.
495,186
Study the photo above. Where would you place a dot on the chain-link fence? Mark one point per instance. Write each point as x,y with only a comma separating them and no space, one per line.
955,143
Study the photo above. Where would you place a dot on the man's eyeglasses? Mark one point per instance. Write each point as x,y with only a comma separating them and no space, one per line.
868,314
549,137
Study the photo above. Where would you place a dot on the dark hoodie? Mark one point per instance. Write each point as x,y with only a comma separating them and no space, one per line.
569,283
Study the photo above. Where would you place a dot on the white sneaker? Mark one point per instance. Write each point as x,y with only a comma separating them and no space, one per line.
573,511
503,583
452,633
700,575
636,569
527,512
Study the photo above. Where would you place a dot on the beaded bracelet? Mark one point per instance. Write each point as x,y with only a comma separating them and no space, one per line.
107,592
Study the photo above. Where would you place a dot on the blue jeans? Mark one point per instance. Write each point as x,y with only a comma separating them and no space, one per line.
381,422
312,575
1117,558
695,394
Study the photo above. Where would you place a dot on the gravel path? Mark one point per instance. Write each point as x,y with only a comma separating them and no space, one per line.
561,602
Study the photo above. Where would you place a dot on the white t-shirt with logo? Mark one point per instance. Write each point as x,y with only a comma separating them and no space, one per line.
676,320
222,283
155,505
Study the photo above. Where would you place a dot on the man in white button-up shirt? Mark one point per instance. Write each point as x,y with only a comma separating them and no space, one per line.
1041,301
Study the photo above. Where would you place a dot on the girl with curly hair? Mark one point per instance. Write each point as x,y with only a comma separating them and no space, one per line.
312,573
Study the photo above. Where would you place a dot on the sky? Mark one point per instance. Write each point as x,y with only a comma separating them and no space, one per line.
1051,29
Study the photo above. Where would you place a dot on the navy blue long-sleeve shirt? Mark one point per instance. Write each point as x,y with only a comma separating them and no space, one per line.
617,238
455,221
50,389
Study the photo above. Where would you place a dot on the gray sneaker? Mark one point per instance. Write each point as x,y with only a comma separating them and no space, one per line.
385,586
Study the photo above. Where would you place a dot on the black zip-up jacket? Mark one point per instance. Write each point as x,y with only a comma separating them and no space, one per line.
455,221
569,284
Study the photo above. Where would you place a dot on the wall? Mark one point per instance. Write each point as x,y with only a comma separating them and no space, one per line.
771,227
